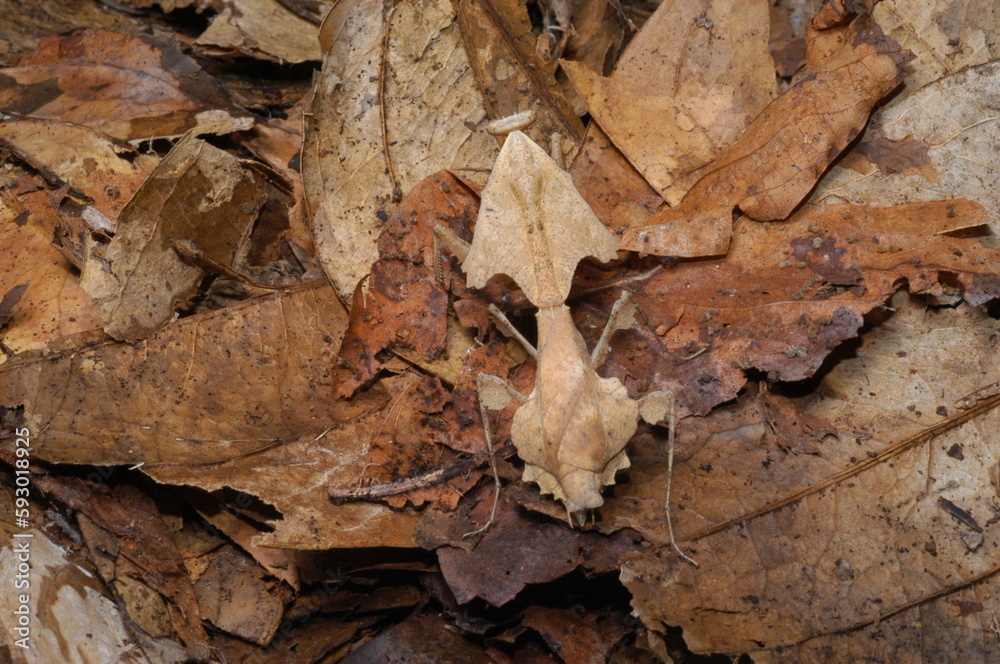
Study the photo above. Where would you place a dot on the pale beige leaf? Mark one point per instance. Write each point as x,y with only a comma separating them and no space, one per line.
534,226
263,29
946,36
395,102
685,88
937,143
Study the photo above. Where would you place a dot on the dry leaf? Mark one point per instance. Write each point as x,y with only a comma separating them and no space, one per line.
673,104
788,294
68,605
394,103
402,301
129,539
24,24
779,157
54,305
534,226
263,29
510,75
798,549
103,172
946,36
87,73
198,193
934,144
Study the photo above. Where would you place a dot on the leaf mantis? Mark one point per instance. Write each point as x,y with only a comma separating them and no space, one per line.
571,430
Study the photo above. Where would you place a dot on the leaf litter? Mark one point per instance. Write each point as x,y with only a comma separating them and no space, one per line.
830,358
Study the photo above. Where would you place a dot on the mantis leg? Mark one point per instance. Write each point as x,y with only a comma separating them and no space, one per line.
494,394
624,314
653,408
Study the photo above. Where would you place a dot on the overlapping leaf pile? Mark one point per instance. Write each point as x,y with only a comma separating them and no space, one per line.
234,320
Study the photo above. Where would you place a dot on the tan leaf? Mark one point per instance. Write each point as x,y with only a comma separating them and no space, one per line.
882,523
89,72
946,36
197,193
780,156
673,104
534,226
934,144
104,170
54,304
263,29
394,103
510,75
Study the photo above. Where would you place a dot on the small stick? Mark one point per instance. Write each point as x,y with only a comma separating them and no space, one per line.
404,485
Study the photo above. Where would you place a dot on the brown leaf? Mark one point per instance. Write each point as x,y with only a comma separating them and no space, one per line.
403,302
263,29
197,193
235,596
673,104
510,75
371,135
534,226
421,639
54,305
103,172
803,554
82,78
9,301
929,146
517,550
946,36
577,638
789,293
128,538
779,157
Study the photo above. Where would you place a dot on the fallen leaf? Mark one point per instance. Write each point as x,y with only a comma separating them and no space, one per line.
105,173
197,193
575,637
510,74
9,301
931,145
403,301
789,293
383,73
87,73
780,156
799,550
262,29
128,538
946,36
235,596
518,550
55,305
421,639
24,26
673,104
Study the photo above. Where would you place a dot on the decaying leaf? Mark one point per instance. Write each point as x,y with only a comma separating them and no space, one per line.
946,36
263,29
402,301
197,193
685,88
103,172
861,544
534,226
510,74
87,73
780,156
789,293
54,305
399,74
934,144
